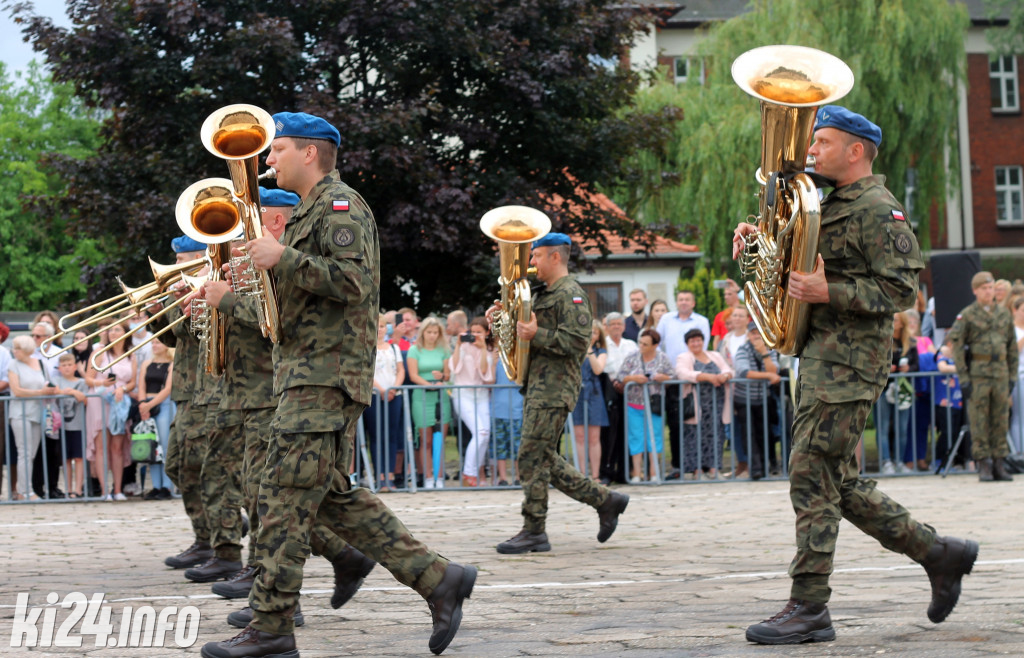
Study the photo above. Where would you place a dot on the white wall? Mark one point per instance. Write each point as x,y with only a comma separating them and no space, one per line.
659,282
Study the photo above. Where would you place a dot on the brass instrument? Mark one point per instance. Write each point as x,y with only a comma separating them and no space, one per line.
514,228
791,82
238,133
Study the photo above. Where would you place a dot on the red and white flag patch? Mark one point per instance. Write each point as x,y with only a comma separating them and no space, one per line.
340,205
577,300
898,216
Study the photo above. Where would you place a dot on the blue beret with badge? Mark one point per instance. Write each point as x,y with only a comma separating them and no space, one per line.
300,124
552,240
278,198
840,118
184,244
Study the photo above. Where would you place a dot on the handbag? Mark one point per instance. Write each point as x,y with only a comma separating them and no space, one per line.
900,393
656,404
145,447
689,409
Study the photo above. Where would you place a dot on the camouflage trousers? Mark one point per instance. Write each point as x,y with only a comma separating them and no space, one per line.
305,484
172,458
221,477
188,448
541,465
988,414
256,425
826,487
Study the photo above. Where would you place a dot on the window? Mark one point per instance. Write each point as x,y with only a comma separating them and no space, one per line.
604,298
1003,78
684,67
1009,195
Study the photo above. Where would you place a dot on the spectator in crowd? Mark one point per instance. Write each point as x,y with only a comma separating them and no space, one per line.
920,426
1017,408
404,327
928,321
673,327
591,413
82,351
5,363
156,403
949,413
754,361
613,465
647,367
72,412
145,352
728,347
507,419
116,385
893,409
455,326
659,307
28,382
1001,292
708,374
472,364
386,403
988,376
48,459
50,318
41,331
731,292
428,366
637,318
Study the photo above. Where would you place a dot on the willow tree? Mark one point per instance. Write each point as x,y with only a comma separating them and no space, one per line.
906,56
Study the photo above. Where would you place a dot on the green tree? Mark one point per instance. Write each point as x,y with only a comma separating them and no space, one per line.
41,255
906,56
447,109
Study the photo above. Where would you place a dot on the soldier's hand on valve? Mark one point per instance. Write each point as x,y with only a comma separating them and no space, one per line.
527,330
265,252
739,238
213,292
492,311
810,287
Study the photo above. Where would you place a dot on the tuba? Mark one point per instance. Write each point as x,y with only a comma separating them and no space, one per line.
791,82
514,228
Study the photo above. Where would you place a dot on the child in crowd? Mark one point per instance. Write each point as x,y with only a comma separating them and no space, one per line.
507,417
72,411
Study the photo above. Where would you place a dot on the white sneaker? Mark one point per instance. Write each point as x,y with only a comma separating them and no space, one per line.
888,468
120,496
131,489
439,483
107,499
636,479
428,484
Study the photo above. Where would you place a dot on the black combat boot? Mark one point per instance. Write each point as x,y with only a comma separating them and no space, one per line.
985,470
241,618
948,561
197,553
525,542
445,604
608,514
350,569
215,568
999,472
800,621
238,586
253,643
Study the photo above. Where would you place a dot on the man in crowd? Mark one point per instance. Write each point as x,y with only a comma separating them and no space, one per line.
456,324
559,332
613,456
731,292
327,270
866,270
751,400
985,352
637,318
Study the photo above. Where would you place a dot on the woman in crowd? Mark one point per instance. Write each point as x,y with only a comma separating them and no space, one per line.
658,308
386,403
898,399
648,368
1017,410
704,434
1002,293
82,351
428,366
472,364
155,392
949,413
28,382
920,425
507,418
591,414
115,384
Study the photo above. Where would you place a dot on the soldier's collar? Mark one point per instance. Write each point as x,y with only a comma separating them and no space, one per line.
857,187
318,190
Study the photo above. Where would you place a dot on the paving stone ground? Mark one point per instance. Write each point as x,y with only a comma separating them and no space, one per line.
690,567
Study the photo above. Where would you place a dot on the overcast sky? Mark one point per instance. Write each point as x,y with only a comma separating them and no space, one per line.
14,52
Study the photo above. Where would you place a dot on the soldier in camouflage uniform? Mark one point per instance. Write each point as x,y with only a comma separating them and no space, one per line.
559,333
867,269
187,422
249,390
327,274
985,329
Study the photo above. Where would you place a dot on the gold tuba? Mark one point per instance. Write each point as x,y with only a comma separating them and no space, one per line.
514,228
791,82
238,133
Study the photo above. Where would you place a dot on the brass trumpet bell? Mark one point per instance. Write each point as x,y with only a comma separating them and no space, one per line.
207,211
237,132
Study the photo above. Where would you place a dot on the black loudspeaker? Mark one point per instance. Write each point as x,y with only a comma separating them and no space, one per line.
951,284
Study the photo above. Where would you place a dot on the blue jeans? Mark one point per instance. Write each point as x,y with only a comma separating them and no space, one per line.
884,413
163,415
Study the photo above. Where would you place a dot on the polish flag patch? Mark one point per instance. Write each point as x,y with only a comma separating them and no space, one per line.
896,214
340,206
577,300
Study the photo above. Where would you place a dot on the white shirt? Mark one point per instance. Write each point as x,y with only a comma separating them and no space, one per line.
672,328
617,354
734,343
51,366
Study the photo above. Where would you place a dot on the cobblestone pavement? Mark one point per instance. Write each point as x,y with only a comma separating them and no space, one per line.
688,569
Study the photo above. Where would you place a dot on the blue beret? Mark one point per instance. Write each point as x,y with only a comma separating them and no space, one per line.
278,198
300,124
553,240
184,244
840,118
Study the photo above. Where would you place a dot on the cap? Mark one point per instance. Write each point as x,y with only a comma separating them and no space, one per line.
840,118
300,124
751,326
980,279
278,198
183,244
552,240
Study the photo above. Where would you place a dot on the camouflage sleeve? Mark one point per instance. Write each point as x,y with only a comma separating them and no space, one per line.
242,309
571,334
958,336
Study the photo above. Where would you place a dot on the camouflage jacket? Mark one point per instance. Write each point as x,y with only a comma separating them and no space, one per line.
328,287
186,356
992,342
248,359
564,322
871,263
